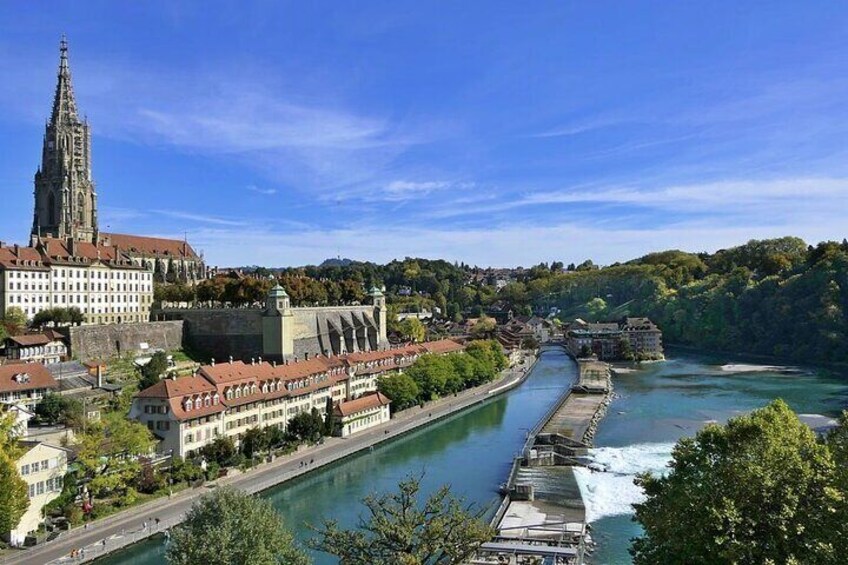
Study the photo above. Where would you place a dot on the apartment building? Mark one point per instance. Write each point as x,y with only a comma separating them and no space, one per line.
42,467
227,399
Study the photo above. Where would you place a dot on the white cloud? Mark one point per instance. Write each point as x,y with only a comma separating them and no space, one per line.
258,190
201,218
787,198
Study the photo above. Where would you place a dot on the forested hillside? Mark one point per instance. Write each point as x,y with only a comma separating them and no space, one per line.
774,297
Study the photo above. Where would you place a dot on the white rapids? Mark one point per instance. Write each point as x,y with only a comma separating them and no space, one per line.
607,488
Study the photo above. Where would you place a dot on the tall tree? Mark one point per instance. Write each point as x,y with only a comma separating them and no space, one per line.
14,499
401,388
229,527
402,531
756,490
152,372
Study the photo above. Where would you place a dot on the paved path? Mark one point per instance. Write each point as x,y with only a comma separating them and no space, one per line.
130,526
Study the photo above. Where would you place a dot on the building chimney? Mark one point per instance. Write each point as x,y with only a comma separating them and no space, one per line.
260,360
273,363
231,359
252,361
213,361
306,356
99,375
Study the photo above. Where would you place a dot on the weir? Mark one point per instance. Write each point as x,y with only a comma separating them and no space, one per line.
542,514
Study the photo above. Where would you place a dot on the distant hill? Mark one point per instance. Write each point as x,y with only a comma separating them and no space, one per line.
337,262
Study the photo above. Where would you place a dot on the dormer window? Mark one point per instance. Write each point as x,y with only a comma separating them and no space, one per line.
215,399
188,405
207,400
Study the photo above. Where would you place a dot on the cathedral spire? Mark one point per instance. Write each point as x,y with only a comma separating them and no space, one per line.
64,104
65,197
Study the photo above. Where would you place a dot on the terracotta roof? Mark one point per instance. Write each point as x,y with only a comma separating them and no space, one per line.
21,257
442,346
25,376
237,371
175,391
151,245
365,402
177,388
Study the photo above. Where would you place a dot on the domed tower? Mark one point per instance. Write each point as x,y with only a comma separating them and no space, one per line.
65,199
277,325
378,300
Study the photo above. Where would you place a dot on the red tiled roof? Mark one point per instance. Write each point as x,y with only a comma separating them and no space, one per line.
151,245
175,391
365,402
26,257
177,388
25,376
442,346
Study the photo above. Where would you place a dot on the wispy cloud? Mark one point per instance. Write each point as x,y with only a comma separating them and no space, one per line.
201,218
258,190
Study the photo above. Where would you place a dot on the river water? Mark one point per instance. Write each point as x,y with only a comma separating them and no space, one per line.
472,451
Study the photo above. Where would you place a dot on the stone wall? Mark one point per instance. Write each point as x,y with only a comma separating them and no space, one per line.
220,332
102,342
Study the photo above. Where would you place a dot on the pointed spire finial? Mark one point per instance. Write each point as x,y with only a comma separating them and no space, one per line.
64,105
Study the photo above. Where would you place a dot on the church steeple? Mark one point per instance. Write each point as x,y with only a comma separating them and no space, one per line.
65,200
64,104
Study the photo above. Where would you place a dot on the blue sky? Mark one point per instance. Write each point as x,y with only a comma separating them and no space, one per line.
499,133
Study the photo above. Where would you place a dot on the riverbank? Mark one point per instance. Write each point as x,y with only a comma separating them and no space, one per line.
129,527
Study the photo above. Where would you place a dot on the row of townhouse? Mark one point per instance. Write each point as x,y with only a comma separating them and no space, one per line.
227,399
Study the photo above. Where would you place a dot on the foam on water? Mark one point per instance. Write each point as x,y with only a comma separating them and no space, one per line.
611,492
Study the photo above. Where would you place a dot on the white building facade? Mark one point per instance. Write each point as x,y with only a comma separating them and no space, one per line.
227,399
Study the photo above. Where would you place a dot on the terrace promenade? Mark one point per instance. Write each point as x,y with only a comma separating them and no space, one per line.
123,529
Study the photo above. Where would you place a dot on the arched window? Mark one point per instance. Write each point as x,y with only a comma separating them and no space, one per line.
81,208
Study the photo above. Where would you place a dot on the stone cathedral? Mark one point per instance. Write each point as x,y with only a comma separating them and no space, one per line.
65,198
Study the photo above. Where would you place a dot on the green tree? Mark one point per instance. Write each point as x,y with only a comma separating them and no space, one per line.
253,442
14,319
403,531
430,372
221,451
401,388
412,329
756,490
329,418
484,327
108,452
55,409
306,426
14,498
152,371
229,527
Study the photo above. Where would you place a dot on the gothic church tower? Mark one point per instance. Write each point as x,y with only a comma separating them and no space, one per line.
65,200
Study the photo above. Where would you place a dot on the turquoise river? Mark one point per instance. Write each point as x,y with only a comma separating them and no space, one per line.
472,451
